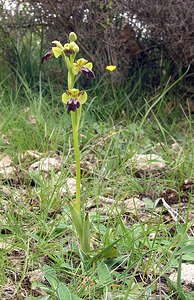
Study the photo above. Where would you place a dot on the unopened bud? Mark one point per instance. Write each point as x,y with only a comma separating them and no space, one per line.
72,37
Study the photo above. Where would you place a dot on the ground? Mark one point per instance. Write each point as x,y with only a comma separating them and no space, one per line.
137,187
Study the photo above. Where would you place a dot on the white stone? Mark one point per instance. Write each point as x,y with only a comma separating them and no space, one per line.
187,274
47,164
6,169
133,204
70,187
147,162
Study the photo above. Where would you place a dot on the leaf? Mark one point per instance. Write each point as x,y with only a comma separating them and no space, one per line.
108,252
188,256
45,297
51,276
41,286
75,297
63,292
104,273
179,281
149,204
77,220
187,252
85,241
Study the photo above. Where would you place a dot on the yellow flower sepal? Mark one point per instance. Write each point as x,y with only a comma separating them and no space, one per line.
81,96
58,50
58,44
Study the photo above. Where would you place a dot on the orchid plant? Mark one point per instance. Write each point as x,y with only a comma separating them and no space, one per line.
74,98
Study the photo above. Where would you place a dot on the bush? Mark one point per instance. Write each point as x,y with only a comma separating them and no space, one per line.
111,32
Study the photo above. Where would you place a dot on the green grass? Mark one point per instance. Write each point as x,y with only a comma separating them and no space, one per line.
36,231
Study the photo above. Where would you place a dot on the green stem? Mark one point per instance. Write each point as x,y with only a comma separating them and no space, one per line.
75,118
75,121
70,79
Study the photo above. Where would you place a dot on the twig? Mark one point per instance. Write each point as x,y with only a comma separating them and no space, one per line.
174,214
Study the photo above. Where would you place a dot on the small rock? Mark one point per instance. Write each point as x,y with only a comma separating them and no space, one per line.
5,138
187,274
8,291
3,246
47,164
71,187
31,154
6,192
36,275
5,161
106,200
175,147
133,204
32,120
104,204
147,162
6,168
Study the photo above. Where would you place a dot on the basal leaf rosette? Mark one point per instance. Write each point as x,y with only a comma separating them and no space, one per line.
84,67
73,98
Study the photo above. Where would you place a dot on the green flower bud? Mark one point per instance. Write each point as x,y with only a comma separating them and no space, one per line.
72,37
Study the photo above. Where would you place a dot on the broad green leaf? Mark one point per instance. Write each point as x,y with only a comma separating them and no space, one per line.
108,252
51,276
188,256
148,203
63,292
104,273
187,249
41,286
77,220
75,297
45,297
85,242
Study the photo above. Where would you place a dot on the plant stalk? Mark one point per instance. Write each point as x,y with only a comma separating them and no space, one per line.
75,121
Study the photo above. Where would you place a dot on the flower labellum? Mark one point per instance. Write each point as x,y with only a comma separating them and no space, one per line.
86,72
72,104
